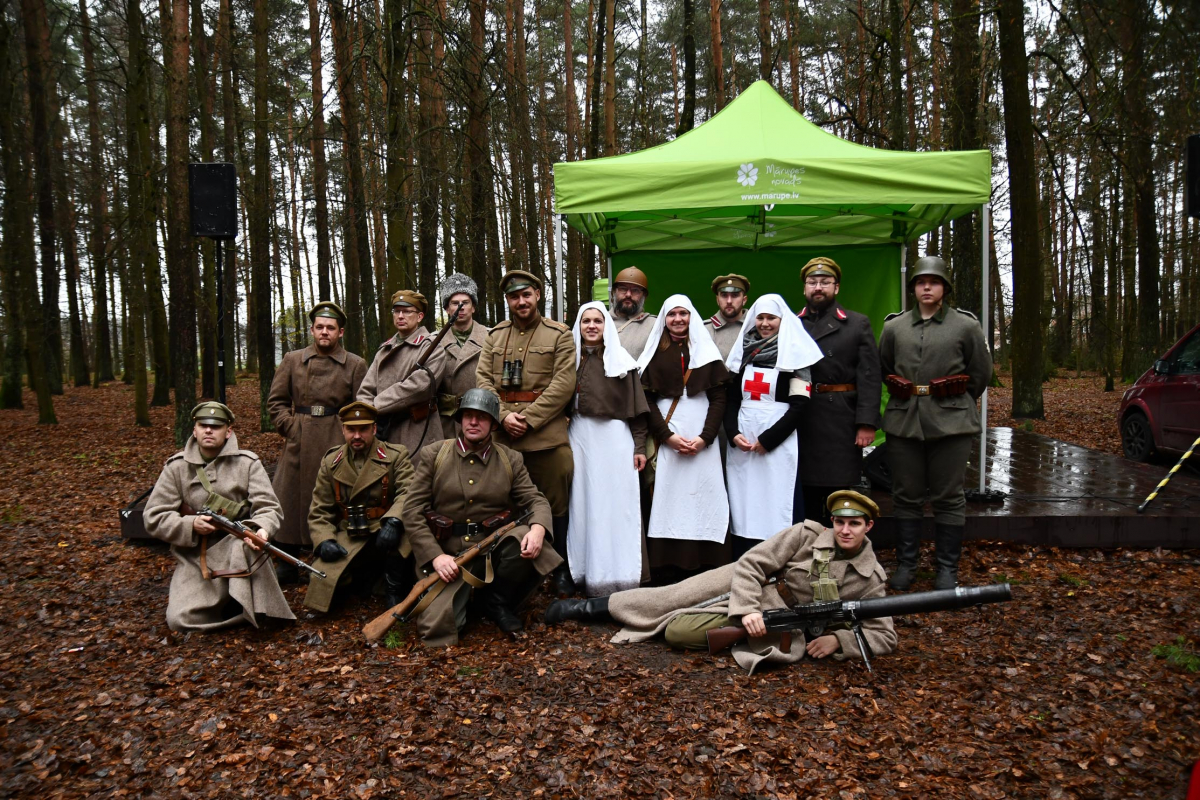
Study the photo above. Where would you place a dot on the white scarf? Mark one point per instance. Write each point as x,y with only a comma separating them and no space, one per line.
796,348
702,349
617,361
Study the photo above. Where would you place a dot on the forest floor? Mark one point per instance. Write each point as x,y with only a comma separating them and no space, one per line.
1058,694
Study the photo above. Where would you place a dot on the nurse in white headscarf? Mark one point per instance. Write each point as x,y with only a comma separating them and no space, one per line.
771,360
608,438
685,386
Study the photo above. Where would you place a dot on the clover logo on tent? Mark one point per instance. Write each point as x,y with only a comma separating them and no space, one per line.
747,175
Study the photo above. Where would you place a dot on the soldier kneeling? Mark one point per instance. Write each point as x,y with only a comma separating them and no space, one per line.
463,489
354,518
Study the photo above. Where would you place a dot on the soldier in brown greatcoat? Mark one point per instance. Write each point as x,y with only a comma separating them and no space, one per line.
403,393
354,517
310,386
212,472
529,361
460,487
462,347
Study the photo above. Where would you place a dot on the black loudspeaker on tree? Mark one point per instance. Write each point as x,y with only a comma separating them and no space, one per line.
1191,197
212,192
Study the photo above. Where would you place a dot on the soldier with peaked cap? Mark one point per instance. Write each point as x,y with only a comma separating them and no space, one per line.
404,394
212,473
463,490
529,362
935,364
725,326
309,387
814,564
843,413
462,347
355,514
627,297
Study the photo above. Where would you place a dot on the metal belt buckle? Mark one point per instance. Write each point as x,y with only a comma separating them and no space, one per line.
472,528
317,411
921,390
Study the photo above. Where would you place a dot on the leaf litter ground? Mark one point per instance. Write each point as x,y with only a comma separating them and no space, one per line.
1054,695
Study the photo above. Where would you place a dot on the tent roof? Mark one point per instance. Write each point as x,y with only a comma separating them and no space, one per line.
758,174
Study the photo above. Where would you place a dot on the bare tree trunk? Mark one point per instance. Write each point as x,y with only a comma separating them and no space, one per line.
965,134
610,79
320,172
764,40
397,168
260,218
718,54
596,77
688,120
476,150
1027,268
64,213
206,301
143,250
229,139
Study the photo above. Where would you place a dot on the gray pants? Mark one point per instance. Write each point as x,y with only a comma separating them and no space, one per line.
934,468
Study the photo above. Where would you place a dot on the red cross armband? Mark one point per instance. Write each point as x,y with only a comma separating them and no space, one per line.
799,386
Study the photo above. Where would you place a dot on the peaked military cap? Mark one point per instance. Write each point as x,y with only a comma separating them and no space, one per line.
211,412
328,308
848,503
358,413
407,298
517,279
821,266
731,283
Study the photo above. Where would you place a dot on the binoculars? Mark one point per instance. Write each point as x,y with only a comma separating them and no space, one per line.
356,521
510,378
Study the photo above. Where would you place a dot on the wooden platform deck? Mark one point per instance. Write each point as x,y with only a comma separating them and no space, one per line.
1064,495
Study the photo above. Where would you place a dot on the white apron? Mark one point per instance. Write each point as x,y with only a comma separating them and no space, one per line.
689,491
604,545
761,486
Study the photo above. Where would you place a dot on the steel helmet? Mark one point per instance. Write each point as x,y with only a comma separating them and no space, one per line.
479,400
930,265
634,276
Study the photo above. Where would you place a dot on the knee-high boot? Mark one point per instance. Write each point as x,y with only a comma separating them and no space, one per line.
398,579
908,552
948,540
594,609
563,585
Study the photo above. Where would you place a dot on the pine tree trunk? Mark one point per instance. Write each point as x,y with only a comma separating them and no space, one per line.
765,60
397,168
688,117
16,248
717,50
143,250
206,301
610,79
320,172
476,150
229,150
260,218
965,134
64,212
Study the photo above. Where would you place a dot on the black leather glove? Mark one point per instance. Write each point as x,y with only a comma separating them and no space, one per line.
329,550
388,537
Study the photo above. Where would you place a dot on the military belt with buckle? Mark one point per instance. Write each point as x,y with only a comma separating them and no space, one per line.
921,390
314,411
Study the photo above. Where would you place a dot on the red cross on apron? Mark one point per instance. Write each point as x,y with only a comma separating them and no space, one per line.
756,387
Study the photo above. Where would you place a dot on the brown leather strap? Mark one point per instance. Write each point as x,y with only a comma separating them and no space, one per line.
520,397
675,402
822,388
209,574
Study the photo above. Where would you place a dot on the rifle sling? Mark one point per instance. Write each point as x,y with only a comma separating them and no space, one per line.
209,574
465,575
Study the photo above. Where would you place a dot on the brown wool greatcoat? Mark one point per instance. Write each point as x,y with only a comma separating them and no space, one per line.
789,553
548,352
306,378
462,361
388,389
196,604
468,487
358,487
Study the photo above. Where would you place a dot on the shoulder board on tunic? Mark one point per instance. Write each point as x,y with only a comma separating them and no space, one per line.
507,323
556,325
964,312
175,457
894,314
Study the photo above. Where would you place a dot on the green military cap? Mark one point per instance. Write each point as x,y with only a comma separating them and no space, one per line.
211,412
517,279
821,266
358,413
731,283
847,503
328,308
407,298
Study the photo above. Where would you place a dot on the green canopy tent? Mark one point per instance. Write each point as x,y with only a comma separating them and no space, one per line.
758,189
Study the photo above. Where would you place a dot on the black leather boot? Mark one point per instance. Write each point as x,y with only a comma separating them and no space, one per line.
563,585
948,541
287,573
594,609
398,579
908,552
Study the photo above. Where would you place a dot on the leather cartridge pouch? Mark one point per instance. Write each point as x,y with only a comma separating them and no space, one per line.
420,411
219,503
441,525
900,388
949,386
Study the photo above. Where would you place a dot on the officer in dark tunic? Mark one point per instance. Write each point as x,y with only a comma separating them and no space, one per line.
843,413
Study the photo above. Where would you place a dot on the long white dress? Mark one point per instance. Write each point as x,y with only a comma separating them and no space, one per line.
761,485
689,491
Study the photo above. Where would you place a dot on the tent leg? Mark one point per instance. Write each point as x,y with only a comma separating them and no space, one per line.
903,267
984,319
561,289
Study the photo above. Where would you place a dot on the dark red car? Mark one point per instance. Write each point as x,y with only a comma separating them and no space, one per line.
1161,411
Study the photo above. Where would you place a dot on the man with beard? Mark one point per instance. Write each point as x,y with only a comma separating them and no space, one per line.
463,490
309,387
529,361
726,325
355,512
397,387
843,413
462,347
628,300
213,586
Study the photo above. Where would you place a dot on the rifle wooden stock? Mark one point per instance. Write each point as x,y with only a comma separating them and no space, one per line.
721,638
235,528
379,626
